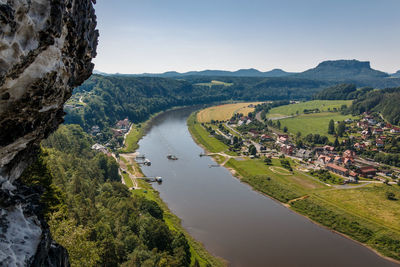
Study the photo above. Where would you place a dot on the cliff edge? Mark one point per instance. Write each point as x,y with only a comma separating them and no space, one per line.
46,48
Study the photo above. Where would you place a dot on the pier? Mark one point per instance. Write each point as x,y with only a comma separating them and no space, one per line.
157,179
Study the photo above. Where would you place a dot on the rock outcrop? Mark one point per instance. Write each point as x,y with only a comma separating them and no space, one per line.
46,48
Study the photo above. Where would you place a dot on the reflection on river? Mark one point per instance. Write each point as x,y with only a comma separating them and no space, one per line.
228,217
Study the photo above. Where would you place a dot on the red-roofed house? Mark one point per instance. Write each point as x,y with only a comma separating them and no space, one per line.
324,159
123,124
377,131
395,130
353,174
287,149
348,161
329,148
265,137
379,143
349,154
338,160
362,124
367,171
359,146
283,140
337,169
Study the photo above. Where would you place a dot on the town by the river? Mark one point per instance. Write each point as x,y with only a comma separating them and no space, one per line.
230,219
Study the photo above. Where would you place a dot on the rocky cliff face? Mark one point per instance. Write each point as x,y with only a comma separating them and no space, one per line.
46,48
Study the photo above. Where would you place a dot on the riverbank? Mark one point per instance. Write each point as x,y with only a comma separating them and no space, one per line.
312,199
199,255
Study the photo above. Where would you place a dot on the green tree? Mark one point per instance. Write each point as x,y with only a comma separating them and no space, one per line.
76,239
336,143
252,150
390,196
331,127
341,128
268,161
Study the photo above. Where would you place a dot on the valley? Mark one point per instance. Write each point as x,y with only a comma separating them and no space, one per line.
276,143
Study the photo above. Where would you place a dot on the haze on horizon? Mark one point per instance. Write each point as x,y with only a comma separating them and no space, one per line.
179,35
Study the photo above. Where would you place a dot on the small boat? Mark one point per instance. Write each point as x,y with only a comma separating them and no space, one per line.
172,157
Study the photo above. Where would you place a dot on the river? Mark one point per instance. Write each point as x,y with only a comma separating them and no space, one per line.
228,217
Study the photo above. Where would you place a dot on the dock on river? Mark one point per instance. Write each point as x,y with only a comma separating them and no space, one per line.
157,179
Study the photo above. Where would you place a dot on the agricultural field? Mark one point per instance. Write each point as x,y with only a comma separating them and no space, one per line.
224,112
282,184
214,82
322,105
203,137
369,202
316,123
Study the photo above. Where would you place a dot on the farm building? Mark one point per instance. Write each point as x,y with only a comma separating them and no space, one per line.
367,171
337,169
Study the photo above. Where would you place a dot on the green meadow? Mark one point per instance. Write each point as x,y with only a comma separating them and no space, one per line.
316,123
322,105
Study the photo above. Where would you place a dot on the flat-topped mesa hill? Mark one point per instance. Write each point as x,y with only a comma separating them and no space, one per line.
343,70
46,51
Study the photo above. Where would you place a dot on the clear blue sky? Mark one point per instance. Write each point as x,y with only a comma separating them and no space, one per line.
182,35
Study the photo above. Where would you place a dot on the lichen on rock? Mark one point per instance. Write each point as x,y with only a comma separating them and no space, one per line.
46,48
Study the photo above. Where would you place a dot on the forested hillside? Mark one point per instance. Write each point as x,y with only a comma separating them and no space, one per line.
93,215
219,73
107,99
342,92
385,101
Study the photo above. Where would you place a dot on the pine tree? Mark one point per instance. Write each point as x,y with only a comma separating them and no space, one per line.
336,144
331,127
341,128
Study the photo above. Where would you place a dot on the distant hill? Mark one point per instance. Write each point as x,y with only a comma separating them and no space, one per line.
343,70
332,72
396,75
100,73
109,98
221,73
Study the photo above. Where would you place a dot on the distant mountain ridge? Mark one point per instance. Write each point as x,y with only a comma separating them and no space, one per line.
223,73
396,75
353,71
343,70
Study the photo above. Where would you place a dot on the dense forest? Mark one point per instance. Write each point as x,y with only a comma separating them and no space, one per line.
342,92
93,215
384,101
112,98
